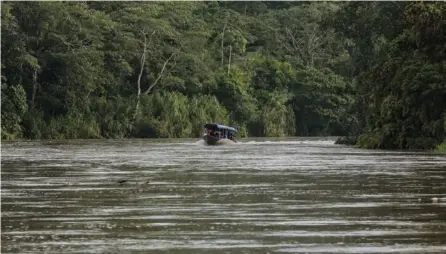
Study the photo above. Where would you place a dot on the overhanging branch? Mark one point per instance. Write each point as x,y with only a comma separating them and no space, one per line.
162,71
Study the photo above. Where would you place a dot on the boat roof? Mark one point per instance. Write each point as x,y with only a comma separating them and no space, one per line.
219,126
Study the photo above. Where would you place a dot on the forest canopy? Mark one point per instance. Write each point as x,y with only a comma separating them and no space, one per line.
370,70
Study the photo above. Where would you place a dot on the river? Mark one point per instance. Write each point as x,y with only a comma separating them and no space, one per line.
259,196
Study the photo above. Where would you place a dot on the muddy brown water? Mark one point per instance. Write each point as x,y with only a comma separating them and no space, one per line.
259,196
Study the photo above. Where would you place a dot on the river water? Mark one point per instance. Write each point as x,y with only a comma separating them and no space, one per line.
259,196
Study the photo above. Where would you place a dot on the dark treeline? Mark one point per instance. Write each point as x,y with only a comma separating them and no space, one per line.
370,70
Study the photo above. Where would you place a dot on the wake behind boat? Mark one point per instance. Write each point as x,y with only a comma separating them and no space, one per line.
218,134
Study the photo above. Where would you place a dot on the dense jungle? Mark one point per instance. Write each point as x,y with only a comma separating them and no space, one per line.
372,72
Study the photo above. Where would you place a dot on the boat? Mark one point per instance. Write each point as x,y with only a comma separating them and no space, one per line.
218,134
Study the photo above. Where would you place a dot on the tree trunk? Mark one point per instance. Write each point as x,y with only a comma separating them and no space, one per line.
33,95
222,40
161,72
229,63
141,70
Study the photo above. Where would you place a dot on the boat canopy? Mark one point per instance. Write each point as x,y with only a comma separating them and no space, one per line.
219,126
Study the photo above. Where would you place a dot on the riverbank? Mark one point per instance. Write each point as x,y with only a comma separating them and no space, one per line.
353,141
343,140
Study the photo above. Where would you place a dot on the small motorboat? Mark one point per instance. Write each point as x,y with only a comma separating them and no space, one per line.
218,134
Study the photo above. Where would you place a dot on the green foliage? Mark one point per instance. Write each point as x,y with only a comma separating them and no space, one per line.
320,101
441,148
373,71
14,108
403,97
176,115
275,117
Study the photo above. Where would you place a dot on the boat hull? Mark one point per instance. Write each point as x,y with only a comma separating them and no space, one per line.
213,141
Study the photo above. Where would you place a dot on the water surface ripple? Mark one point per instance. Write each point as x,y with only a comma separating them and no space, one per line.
279,196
